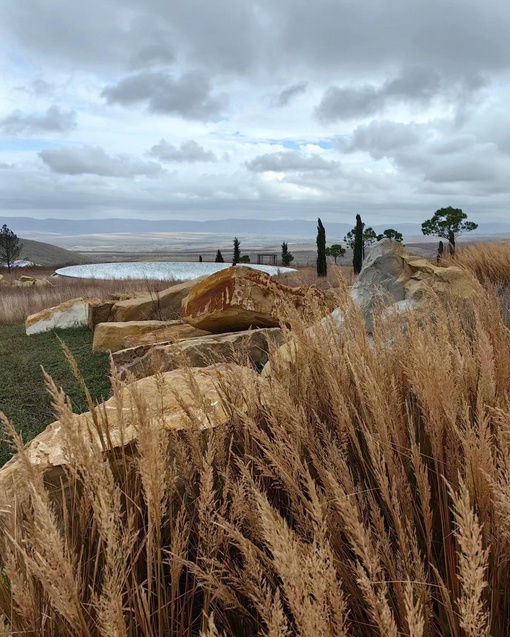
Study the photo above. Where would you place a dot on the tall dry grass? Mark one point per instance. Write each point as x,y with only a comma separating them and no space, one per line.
488,261
16,303
365,492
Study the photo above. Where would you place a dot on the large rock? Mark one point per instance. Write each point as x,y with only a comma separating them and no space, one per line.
239,298
391,274
172,332
73,313
390,277
110,336
164,305
177,400
146,360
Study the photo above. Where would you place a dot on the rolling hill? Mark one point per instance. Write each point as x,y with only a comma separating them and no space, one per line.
49,255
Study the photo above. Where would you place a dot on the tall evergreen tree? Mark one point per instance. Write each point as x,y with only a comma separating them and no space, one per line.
440,251
237,252
287,256
219,257
357,257
322,266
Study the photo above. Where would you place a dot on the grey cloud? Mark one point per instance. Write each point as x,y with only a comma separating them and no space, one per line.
152,55
288,94
93,160
54,120
382,138
291,160
189,96
465,169
189,152
248,36
412,85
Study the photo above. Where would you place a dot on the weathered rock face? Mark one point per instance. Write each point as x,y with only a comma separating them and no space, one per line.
391,274
146,360
171,404
110,336
100,312
173,331
73,313
239,298
163,305
393,277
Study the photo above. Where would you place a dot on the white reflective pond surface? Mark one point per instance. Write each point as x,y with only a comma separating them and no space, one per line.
157,270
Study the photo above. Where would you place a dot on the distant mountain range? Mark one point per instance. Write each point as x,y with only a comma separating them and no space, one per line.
281,228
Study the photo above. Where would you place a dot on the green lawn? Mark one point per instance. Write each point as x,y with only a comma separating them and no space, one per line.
23,397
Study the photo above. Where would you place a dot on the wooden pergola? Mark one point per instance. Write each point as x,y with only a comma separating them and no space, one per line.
272,258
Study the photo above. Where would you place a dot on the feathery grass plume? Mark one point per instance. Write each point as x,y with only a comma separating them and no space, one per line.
472,564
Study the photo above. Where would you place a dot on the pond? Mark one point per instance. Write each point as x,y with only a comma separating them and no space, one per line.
156,270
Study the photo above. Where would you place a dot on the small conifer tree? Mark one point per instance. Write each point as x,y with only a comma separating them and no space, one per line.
219,257
357,257
287,256
10,247
440,251
322,266
237,252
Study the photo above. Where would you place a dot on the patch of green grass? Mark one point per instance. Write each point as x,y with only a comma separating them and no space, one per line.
23,396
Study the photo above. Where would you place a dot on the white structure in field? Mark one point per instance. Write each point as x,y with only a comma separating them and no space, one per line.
157,270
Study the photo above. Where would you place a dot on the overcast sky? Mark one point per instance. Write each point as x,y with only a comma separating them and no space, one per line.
257,108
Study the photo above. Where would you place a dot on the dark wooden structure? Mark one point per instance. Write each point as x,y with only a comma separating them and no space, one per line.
272,258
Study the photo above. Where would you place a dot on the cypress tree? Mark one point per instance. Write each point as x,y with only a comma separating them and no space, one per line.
440,251
357,257
322,266
219,257
237,251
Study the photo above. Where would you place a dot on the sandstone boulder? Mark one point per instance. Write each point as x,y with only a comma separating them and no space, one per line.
73,313
110,336
177,400
43,283
239,298
146,360
164,305
100,311
173,331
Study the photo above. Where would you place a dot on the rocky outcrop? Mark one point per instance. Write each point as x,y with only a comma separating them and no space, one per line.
240,298
73,313
252,346
164,305
109,337
181,399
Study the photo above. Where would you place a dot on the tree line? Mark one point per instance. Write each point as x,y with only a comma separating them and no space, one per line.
446,223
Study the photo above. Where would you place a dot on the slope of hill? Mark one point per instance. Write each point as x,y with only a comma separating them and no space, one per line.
49,255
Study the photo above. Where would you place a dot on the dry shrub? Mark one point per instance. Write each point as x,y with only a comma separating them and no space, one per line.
488,261
362,492
16,303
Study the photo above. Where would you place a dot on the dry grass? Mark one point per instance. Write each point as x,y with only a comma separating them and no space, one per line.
16,303
364,492
488,261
